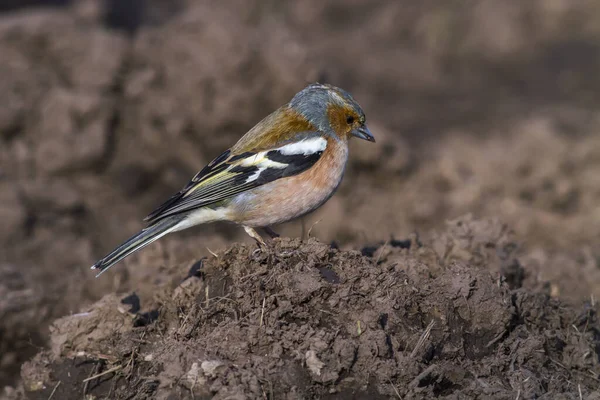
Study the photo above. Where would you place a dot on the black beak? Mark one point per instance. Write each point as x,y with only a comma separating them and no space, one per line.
363,133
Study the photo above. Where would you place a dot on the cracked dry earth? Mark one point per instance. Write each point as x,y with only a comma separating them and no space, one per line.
454,315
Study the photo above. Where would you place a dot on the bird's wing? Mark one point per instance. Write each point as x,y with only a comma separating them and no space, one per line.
230,174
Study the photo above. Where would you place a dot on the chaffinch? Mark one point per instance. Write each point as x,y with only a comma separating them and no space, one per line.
288,165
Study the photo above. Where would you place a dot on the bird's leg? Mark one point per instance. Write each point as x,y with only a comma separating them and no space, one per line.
271,232
254,235
303,234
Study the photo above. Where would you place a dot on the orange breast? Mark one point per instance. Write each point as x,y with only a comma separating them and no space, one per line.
292,197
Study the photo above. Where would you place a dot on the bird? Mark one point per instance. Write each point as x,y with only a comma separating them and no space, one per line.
286,166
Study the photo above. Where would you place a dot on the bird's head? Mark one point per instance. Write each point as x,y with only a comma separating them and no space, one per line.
332,110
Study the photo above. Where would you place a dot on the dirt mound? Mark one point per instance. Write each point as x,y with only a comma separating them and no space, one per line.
448,317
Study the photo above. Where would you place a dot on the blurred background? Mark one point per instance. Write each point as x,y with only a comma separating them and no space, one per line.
110,106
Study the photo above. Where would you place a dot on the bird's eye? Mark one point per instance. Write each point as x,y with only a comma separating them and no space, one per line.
350,119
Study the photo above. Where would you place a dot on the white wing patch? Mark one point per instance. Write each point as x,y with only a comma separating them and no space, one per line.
256,174
260,160
266,163
306,147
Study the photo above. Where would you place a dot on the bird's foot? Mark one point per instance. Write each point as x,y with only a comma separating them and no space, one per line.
254,235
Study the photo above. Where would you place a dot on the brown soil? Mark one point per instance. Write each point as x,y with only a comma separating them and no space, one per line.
448,317
488,109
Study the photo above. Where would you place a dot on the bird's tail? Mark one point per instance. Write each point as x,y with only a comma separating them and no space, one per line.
137,242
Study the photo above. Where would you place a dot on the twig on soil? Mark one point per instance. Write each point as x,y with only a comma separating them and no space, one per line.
559,364
270,383
262,312
428,372
496,339
140,341
423,338
579,389
587,322
192,387
518,394
243,278
194,327
113,386
514,354
218,299
92,372
106,357
131,362
108,371
54,390
212,252
467,303
187,315
206,294
381,251
395,389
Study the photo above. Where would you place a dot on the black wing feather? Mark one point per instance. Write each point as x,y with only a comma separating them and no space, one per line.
215,166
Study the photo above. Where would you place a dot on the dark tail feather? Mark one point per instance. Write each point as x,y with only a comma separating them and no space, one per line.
137,242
